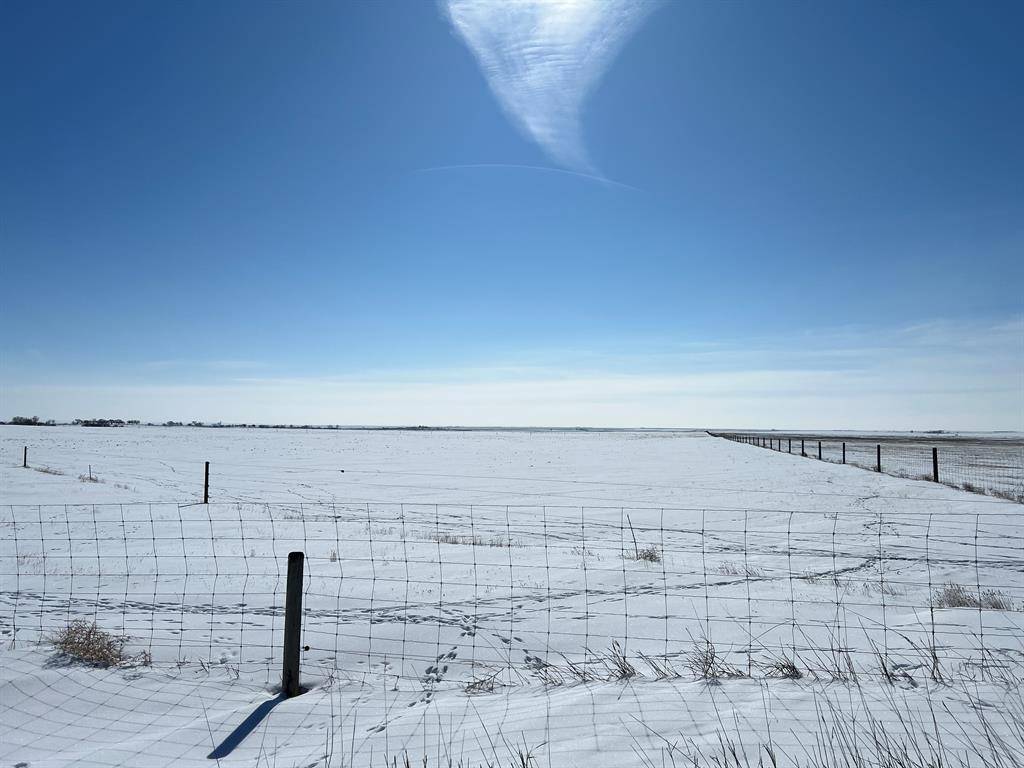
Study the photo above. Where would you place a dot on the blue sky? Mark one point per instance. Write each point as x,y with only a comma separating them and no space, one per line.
728,214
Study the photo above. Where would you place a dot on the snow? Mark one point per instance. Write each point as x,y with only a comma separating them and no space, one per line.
413,592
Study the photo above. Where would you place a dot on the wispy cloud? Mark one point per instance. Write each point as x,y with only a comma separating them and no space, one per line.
542,58
943,374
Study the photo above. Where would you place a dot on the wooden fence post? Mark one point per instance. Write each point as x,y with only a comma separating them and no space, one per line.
206,484
878,457
292,625
935,464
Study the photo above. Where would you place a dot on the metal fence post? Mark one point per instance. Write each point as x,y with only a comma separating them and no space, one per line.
206,484
24,458
878,457
790,444
802,451
844,453
935,464
292,625
819,450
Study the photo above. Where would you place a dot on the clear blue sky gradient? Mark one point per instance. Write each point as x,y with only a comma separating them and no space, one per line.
190,190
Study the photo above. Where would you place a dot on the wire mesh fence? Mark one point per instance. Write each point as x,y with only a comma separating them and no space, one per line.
991,466
484,596
511,619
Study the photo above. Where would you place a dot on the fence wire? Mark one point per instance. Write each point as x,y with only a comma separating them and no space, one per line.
417,601
450,595
991,466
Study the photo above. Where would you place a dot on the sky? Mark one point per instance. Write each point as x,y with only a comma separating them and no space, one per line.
784,215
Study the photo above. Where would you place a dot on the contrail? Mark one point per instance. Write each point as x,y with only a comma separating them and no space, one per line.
517,166
542,58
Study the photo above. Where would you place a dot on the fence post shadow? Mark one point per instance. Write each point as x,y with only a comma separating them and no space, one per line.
247,726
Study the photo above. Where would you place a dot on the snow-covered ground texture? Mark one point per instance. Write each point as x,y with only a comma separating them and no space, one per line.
576,598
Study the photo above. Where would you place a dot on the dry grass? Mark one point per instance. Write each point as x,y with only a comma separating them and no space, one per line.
611,666
518,757
483,684
985,737
86,642
1008,496
705,663
784,668
618,666
734,569
662,668
959,596
877,587
648,554
472,541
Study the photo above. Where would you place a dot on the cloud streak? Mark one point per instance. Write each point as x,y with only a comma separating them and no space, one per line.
543,57
940,375
520,167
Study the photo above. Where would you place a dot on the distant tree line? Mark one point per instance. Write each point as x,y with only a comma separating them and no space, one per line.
35,421
31,421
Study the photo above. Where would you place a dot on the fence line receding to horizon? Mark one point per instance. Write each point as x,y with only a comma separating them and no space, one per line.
988,466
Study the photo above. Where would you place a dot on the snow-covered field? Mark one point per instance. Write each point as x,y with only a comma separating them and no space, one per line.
470,595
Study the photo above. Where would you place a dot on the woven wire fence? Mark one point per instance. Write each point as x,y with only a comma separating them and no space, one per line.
992,466
478,597
504,620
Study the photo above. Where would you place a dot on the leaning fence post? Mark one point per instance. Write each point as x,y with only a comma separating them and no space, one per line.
206,484
878,457
935,464
292,625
